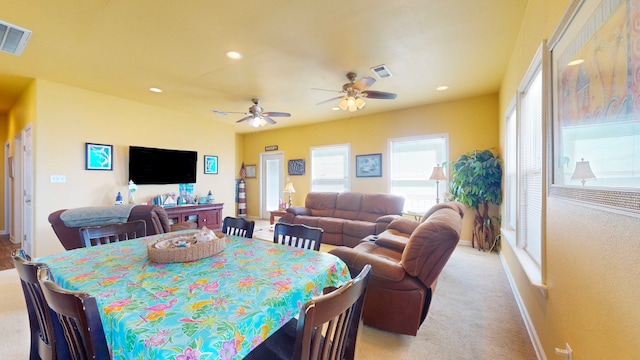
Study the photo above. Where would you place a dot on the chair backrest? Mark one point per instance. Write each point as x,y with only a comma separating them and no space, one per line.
328,324
238,227
298,235
79,316
105,234
42,334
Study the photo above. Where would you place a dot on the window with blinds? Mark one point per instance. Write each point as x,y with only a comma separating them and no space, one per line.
330,168
529,225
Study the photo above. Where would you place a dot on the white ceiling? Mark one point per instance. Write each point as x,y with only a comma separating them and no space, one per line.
122,48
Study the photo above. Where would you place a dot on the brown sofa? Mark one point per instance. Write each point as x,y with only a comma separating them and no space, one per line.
155,217
346,217
406,259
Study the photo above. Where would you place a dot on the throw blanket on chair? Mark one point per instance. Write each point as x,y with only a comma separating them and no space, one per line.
96,215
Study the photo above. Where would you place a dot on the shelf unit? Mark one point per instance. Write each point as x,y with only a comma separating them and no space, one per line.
209,215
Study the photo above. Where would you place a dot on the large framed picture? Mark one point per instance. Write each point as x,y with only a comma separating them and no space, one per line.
210,164
369,165
98,157
595,100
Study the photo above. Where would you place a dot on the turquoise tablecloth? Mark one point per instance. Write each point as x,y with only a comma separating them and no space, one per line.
217,307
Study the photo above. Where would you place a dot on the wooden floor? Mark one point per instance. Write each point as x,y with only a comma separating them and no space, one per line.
5,252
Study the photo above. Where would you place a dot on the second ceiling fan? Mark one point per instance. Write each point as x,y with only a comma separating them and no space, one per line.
256,116
354,92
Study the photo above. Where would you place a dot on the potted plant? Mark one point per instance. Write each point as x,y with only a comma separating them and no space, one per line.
476,182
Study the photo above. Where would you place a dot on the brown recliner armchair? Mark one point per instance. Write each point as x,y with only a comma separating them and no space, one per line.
406,259
155,216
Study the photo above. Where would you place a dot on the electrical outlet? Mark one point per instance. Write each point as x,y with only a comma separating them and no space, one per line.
57,179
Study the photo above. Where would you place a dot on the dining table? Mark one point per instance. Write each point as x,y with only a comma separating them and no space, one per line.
218,307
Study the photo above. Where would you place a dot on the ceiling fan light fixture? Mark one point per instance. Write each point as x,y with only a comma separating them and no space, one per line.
353,107
360,103
351,101
343,104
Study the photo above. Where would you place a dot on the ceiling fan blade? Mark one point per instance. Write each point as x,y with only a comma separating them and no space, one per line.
330,100
326,90
227,112
269,120
277,114
245,118
379,95
364,83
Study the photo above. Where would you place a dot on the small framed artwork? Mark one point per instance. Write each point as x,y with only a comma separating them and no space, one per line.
210,164
251,171
296,167
98,157
369,165
271,148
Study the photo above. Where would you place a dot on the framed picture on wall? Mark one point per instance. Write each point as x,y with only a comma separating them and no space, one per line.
369,165
210,164
98,157
251,171
296,167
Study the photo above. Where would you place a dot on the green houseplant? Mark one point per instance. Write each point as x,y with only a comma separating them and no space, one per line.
476,182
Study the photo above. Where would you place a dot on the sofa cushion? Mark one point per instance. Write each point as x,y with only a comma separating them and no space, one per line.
321,203
403,225
307,220
376,205
358,229
452,205
348,205
331,225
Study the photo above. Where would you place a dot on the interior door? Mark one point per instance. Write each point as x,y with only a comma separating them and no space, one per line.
271,182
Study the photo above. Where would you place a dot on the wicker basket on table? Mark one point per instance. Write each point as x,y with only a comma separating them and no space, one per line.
184,248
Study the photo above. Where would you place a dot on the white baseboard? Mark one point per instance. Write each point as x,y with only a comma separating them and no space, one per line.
533,334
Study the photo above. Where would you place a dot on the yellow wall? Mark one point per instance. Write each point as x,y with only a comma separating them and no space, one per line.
67,117
3,192
471,124
591,255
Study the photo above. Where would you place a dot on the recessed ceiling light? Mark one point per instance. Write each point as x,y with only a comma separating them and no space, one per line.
575,62
155,89
233,55
335,108
442,88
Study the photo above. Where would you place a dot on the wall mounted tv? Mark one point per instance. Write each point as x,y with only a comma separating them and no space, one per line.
161,166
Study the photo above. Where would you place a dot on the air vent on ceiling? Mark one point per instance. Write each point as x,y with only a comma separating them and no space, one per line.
381,71
13,38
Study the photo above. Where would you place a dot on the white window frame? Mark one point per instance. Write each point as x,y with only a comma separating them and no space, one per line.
534,269
427,166
313,168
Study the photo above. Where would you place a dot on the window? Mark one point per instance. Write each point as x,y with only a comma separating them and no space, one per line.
525,173
330,168
411,163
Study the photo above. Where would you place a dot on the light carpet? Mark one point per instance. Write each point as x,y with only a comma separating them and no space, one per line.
473,315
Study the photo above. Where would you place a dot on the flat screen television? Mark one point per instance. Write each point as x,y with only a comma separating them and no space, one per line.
162,166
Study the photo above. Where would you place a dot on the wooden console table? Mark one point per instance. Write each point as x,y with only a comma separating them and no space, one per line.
278,213
209,215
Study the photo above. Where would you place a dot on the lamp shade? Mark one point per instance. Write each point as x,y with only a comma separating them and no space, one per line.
437,173
582,172
289,188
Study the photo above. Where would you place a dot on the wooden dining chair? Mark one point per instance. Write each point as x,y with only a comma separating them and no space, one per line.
78,314
238,227
298,235
105,234
327,326
47,337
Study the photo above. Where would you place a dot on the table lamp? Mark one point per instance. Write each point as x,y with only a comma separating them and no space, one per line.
437,174
582,172
289,189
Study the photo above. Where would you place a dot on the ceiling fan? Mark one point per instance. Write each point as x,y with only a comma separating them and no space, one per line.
354,92
256,116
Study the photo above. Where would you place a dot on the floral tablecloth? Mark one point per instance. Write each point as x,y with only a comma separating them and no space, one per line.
219,307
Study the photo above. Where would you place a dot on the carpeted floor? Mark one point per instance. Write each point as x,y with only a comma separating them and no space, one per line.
473,315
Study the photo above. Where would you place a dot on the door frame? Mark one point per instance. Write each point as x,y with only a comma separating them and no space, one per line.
263,213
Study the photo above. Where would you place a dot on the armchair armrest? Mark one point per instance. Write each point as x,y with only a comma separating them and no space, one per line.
381,267
298,210
383,221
